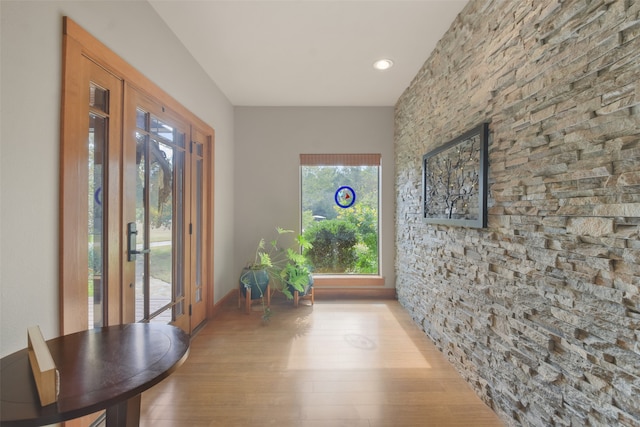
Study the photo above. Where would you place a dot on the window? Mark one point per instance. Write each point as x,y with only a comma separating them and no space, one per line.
340,212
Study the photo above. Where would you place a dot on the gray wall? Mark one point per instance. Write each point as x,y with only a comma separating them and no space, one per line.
31,49
268,145
540,312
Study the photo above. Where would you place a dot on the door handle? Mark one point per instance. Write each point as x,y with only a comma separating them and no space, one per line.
132,233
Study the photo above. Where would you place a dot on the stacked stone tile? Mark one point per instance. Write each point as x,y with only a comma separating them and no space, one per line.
540,311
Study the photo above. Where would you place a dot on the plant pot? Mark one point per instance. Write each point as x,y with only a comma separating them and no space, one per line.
258,280
307,287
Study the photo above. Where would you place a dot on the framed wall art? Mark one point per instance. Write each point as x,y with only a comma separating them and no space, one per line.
454,180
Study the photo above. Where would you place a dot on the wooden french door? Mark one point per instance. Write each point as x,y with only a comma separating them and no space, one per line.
89,202
135,197
163,214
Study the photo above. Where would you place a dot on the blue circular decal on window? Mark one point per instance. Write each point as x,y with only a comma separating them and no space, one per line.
345,197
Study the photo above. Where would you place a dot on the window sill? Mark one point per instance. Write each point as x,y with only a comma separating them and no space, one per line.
344,280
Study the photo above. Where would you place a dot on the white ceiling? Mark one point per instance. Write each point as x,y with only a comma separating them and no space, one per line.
309,52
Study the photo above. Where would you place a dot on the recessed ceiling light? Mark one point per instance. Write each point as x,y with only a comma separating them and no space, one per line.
383,64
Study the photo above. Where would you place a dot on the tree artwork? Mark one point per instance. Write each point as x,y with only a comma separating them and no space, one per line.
453,181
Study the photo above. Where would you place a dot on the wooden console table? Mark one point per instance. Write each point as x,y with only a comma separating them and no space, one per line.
105,368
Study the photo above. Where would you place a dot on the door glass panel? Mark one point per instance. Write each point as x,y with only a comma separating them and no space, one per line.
141,215
160,225
141,119
159,220
198,228
98,98
178,227
96,147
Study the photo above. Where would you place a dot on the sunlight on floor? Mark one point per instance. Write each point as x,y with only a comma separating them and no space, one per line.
353,342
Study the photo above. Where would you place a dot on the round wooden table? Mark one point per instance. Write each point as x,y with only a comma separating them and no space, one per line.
105,368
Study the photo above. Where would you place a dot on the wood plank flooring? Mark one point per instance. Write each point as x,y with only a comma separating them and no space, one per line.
338,363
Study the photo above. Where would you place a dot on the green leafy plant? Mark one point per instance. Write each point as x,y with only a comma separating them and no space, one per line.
283,266
296,273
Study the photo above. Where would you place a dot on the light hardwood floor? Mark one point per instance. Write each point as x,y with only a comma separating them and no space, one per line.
338,363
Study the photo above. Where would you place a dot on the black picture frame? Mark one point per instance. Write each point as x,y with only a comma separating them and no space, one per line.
454,180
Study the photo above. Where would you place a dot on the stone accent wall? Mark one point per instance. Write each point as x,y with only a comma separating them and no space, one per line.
540,311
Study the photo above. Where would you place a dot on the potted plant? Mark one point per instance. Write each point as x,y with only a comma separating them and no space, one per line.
296,274
284,269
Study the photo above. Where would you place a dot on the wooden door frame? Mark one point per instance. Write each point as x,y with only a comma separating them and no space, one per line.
78,43
201,137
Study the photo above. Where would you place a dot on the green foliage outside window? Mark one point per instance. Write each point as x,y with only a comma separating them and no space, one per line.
365,219
333,249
